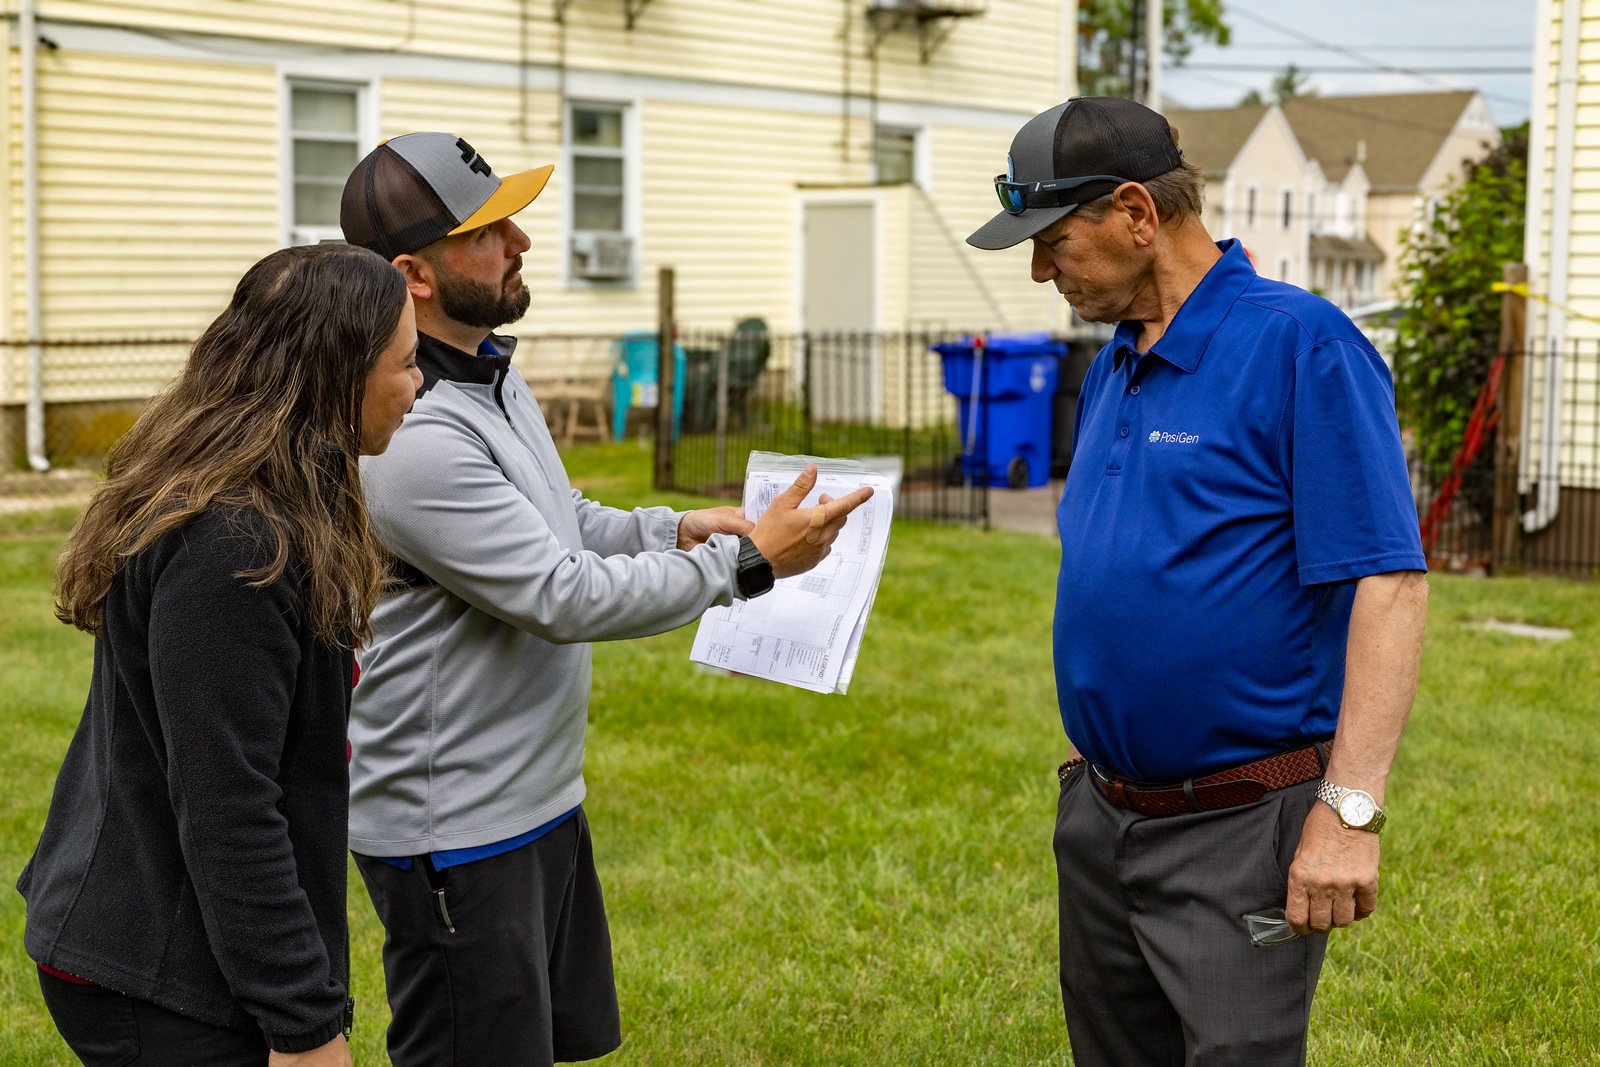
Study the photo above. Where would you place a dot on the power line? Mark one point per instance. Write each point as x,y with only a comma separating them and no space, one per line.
1415,71
1419,47
1230,82
1290,31
1357,55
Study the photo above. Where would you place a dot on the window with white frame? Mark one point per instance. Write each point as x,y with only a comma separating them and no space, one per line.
602,234
1285,269
1288,209
1311,210
894,157
1252,196
324,138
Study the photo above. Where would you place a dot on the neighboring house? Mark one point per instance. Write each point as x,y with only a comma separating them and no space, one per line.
1300,222
1345,261
1409,148
765,149
1258,183
1321,189
1560,447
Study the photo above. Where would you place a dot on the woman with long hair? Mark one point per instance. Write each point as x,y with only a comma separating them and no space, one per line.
186,902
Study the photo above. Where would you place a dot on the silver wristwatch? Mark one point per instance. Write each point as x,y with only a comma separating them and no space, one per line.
1357,810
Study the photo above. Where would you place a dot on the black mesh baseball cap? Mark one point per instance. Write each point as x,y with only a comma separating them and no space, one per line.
1074,153
414,189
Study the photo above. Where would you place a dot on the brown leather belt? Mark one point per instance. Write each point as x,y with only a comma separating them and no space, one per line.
1225,789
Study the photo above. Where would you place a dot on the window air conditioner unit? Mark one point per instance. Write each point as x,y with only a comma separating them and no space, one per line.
602,255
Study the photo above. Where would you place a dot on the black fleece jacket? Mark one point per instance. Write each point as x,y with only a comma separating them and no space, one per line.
194,853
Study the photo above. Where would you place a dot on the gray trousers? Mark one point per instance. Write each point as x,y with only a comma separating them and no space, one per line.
1156,964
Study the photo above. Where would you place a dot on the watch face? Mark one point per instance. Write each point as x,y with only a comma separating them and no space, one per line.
1357,808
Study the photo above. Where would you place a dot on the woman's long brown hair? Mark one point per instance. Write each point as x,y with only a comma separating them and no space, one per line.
266,416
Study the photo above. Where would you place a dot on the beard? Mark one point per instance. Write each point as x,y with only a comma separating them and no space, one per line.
479,304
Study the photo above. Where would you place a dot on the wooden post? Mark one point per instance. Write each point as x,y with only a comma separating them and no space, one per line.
667,387
1506,536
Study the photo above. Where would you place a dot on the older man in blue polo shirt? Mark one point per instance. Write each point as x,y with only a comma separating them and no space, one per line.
1239,613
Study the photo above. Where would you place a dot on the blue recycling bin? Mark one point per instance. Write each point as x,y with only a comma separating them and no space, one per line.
635,380
1005,387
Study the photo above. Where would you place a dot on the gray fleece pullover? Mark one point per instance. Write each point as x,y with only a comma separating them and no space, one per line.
468,723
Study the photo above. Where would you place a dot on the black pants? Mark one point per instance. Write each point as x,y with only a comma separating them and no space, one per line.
505,960
1156,961
108,1029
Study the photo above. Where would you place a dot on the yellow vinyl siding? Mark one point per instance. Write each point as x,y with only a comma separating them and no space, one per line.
159,185
790,44
965,161
770,43
162,173
720,191
12,310
1580,391
374,24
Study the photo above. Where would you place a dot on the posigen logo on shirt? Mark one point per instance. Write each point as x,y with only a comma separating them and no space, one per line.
1162,437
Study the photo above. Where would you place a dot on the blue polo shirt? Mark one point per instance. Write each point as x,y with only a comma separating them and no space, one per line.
1227,487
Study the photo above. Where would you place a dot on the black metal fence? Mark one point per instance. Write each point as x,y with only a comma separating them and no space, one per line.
843,394
828,394
1482,505
892,396
1494,501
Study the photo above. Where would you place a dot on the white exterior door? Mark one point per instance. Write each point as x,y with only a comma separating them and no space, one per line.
839,311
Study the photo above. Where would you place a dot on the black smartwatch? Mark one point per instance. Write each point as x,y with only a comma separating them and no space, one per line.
754,575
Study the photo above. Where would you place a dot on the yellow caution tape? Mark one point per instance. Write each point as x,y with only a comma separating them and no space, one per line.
1521,289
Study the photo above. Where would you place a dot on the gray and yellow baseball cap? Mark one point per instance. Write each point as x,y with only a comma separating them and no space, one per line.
1074,153
414,189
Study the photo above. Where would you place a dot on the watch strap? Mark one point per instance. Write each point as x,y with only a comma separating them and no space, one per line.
1331,794
754,574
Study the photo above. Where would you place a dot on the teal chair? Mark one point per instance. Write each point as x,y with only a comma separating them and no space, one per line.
635,381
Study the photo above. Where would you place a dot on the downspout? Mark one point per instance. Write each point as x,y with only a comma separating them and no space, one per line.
1548,501
32,323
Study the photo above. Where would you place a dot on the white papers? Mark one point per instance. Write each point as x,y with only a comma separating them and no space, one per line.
807,631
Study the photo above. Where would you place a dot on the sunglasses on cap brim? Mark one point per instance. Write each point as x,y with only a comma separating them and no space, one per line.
1014,196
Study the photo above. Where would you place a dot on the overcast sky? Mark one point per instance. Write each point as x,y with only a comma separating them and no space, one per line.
1424,44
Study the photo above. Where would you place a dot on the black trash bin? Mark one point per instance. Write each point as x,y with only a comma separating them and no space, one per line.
1069,383
699,390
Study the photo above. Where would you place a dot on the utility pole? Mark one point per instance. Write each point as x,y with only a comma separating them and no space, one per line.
1153,18
1135,33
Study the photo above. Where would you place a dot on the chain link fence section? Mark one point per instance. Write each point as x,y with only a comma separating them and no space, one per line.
92,390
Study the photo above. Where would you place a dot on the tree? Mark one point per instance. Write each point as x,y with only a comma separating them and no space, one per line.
1449,323
1292,83
1107,34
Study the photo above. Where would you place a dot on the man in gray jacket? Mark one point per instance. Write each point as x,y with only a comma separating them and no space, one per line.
467,728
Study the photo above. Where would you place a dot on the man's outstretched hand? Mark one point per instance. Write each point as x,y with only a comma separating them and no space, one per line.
795,539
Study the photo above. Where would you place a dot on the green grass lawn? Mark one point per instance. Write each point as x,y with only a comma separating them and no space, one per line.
867,880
